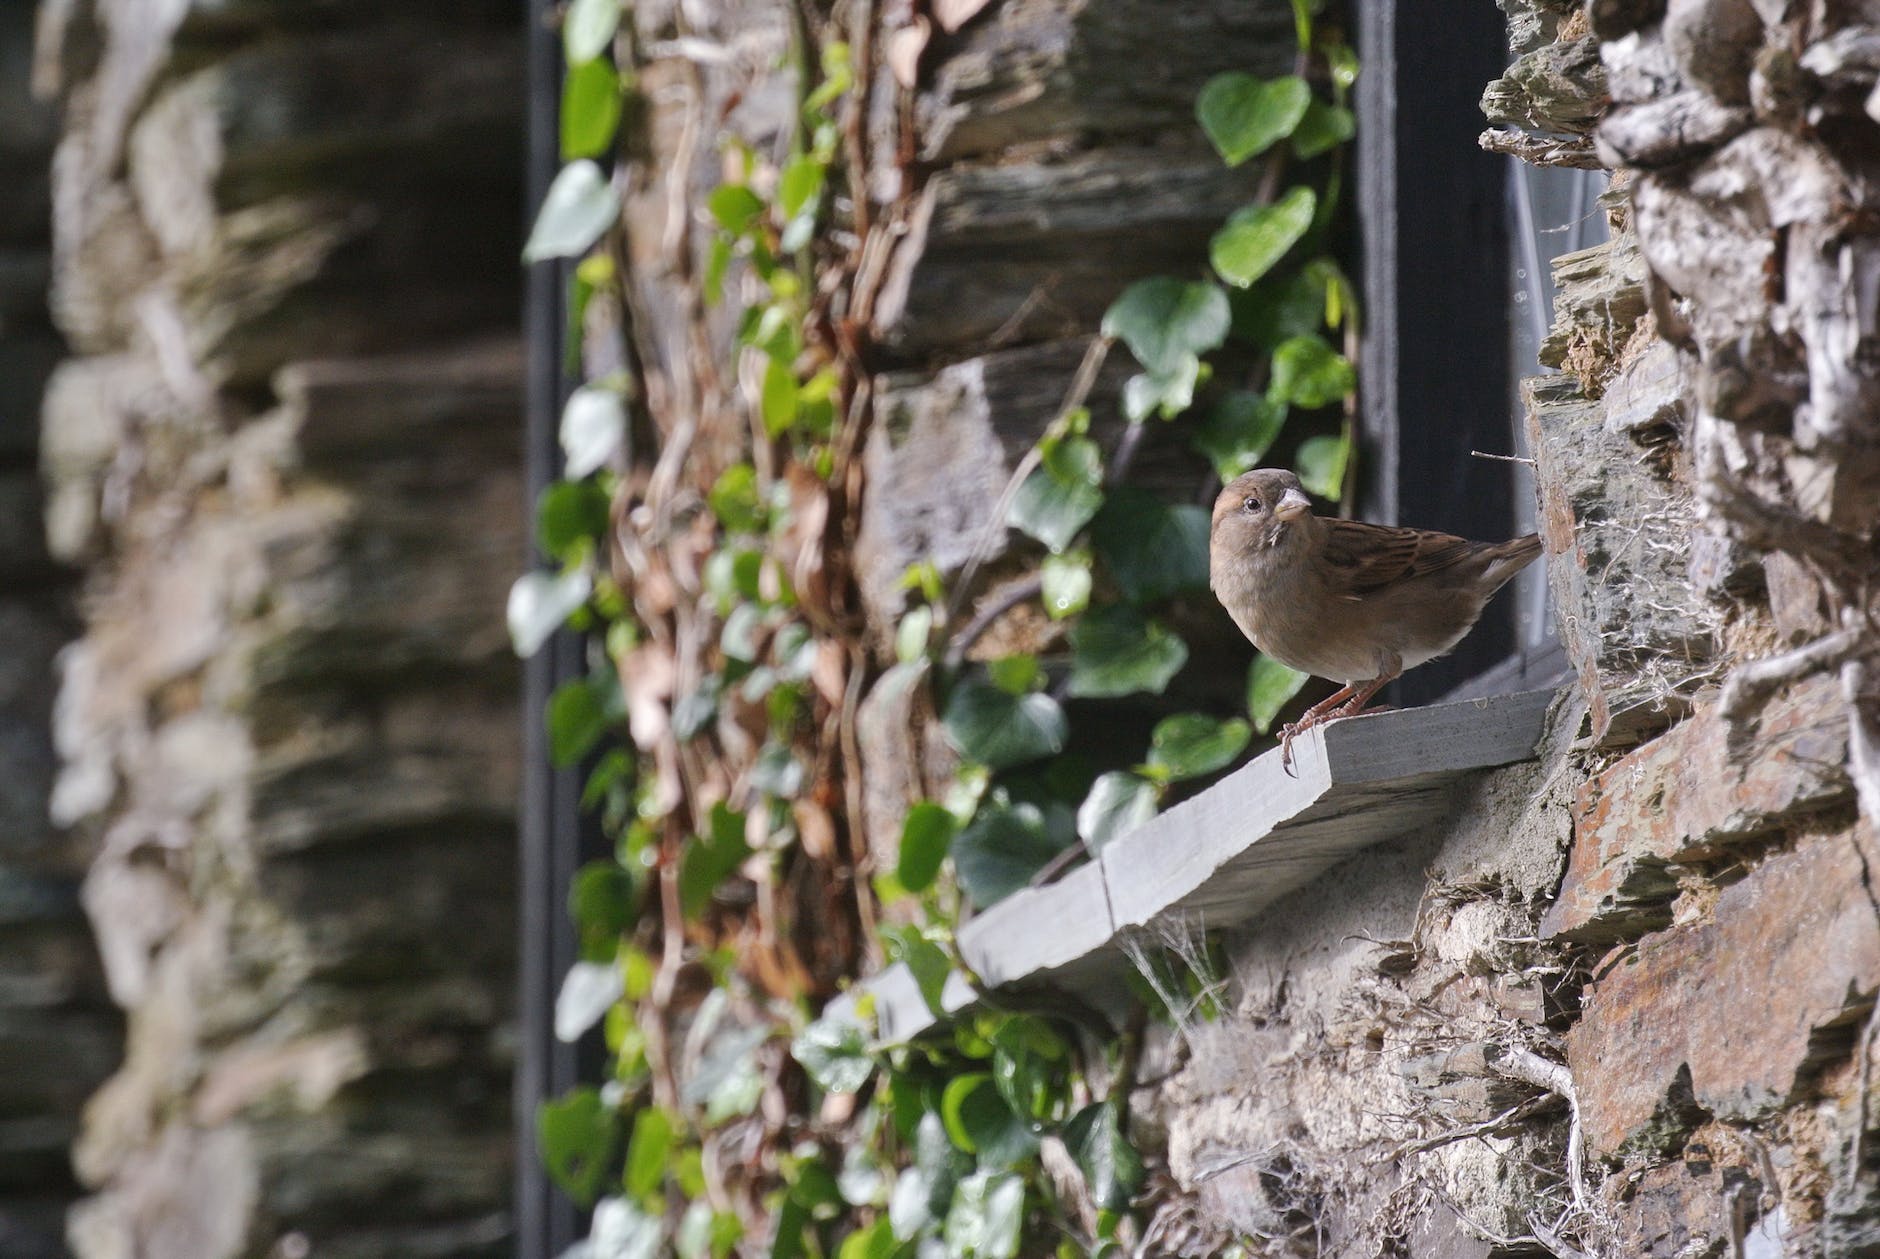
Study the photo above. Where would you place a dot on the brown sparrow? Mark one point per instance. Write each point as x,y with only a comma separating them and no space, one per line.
1354,602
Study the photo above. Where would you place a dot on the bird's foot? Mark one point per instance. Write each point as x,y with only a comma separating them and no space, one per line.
1286,736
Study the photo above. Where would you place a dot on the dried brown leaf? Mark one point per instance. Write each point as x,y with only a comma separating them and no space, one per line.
904,49
646,677
953,14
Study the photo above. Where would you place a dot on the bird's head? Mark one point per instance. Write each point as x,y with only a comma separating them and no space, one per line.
1254,508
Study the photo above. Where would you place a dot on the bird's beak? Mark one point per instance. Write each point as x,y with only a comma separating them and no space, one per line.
1292,505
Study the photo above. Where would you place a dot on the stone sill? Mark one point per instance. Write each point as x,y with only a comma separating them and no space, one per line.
1220,858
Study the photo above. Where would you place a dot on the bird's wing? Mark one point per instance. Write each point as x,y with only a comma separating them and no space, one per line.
1361,559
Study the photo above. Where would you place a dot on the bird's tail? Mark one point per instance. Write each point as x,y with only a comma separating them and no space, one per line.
1505,559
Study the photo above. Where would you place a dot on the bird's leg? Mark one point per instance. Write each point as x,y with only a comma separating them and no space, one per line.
1364,691
1308,719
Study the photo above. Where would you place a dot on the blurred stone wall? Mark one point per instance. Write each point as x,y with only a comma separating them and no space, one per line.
283,460
59,1034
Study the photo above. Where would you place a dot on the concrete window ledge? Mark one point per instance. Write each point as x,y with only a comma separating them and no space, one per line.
1220,858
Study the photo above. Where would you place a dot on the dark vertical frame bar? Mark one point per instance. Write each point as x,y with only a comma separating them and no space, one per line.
1434,365
547,1223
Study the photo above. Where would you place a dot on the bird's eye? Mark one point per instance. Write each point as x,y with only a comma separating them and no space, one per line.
1251,503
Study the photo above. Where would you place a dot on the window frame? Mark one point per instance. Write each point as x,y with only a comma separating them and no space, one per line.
1435,376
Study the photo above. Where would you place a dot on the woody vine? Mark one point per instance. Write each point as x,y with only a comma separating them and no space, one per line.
703,547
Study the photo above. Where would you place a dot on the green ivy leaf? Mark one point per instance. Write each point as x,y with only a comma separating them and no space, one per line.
797,187
588,28
1239,431
1118,803
579,206
1308,373
577,1133
925,960
913,633
647,1151
921,1192
1270,685
1162,318
980,1122
735,207
1153,549
590,109
1058,499
1245,116
734,500
1003,847
1016,674
777,772
710,858
601,903
570,515
1321,465
540,602
986,1217
577,717
1188,745
997,728
1281,306
1170,393
780,397
587,992
1117,651
621,1230
1065,582
593,424
874,1242
1322,128
1257,237
835,1054
926,836
1112,1168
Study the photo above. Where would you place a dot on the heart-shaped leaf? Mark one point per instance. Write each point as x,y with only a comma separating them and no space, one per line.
1170,393
1065,582
1188,745
588,28
1245,116
1270,685
1323,127
1239,431
986,1217
1321,465
1006,845
588,991
1153,549
980,1122
1257,237
1000,729
1112,1168
926,836
1118,803
593,424
1309,373
590,109
579,206
1118,651
540,602
1162,318
835,1054
1058,499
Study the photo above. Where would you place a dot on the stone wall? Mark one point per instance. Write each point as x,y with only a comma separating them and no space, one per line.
59,1034
284,458
1623,1002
